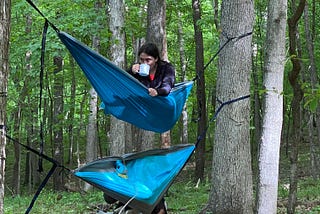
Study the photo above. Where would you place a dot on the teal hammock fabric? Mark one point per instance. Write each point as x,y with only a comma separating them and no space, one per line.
138,178
125,97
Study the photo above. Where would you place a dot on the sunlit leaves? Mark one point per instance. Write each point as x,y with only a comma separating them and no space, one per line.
312,97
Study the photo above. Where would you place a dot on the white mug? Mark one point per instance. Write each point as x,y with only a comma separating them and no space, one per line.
144,69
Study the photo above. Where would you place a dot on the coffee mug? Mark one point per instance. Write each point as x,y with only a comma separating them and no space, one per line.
144,69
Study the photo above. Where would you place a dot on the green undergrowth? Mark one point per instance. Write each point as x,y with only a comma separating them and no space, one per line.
183,197
187,198
308,196
50,202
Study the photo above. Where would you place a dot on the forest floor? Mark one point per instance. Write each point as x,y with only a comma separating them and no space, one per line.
308,193
184,196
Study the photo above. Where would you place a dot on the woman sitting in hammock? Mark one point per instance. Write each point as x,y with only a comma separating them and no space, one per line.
159,82
161,77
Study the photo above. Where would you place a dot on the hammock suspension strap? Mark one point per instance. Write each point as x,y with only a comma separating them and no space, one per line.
49,174
36,8
222,104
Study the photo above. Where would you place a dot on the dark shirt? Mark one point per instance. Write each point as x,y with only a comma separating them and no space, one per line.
163,81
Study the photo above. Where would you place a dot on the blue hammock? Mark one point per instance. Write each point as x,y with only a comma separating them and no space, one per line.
125,97
140,178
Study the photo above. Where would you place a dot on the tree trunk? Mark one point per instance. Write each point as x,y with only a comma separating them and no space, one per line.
257,113
296,108
81,127
72,111
91,145
30,162
117,50
256,69
156,33
215,7
231,173
314,146
156,28
33,162
16,178
201,93
274,63
58,178
314,150
183,67
5,6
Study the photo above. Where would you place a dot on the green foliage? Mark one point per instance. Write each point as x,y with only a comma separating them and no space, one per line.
312,97
82,20
185,197
182,198
308,196
51,203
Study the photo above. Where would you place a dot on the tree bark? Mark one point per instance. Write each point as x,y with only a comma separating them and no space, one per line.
201,92
118,137
5,6
314,132
16,177
72,111
92,144
156,28
296,101
156,33
81,127
183,67
58,178
231,173
274,63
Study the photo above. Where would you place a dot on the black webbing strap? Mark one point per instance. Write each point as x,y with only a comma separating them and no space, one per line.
38,153
222,104
43,48
44,182
229,39
50,23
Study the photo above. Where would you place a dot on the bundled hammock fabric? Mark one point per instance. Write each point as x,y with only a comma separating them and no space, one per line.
125,97
143,177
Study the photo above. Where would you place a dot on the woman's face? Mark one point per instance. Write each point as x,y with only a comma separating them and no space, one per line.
146,59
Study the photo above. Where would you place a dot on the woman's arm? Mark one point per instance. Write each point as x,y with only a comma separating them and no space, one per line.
168,80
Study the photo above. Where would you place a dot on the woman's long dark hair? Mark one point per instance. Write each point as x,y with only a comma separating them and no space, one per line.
150,49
